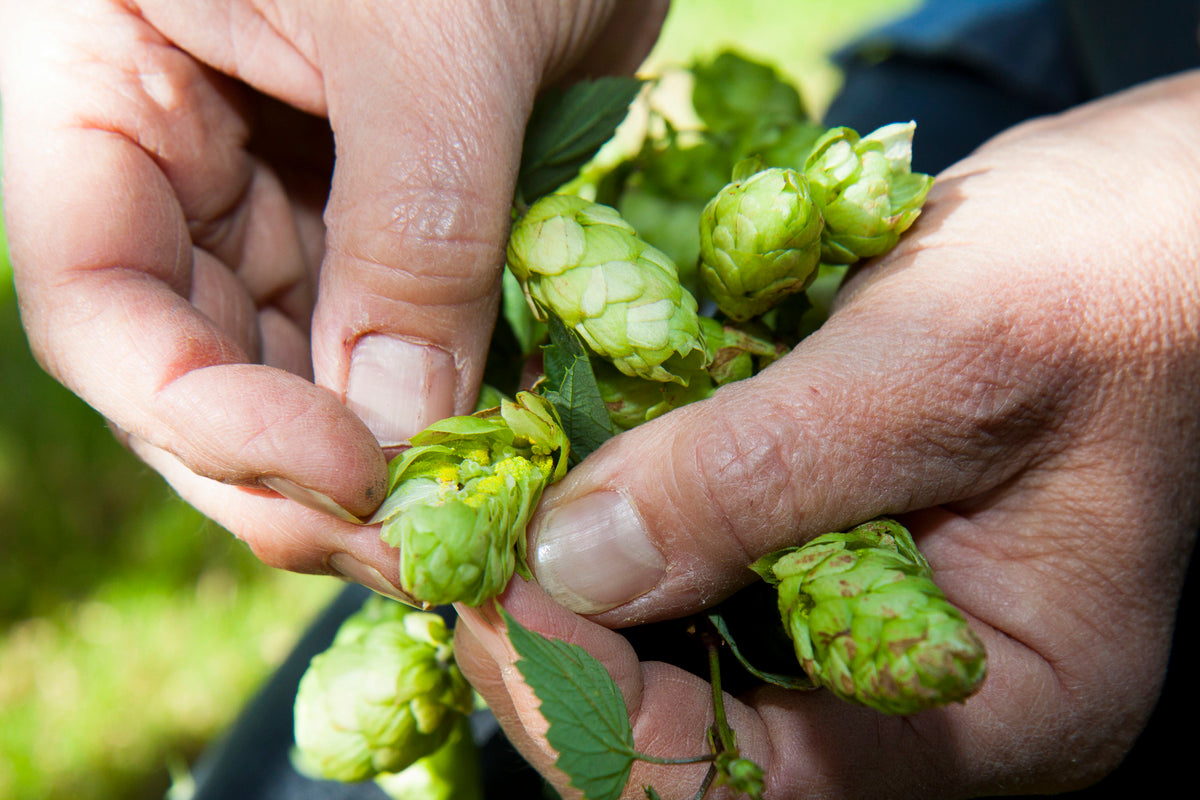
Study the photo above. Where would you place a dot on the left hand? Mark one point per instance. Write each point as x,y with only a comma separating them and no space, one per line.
1019,379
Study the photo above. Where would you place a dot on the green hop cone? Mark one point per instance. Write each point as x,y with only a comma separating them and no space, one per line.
737,352
460,498
760,240
583,263
452,772
868,623
866,190
386,693
630,401
732,92
743,776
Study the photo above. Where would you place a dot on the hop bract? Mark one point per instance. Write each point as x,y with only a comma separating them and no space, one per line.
581,262
460,498
866,190
869,624
386,693
452,772
760,240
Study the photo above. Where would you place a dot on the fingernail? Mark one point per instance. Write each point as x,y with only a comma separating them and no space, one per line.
309,498
398,387
592,554
352,569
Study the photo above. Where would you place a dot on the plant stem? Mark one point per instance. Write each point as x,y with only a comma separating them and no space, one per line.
709,777
707,757
720,724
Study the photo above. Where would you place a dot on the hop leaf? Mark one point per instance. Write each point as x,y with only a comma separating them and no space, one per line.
866,190
759,241
869,624
581,262
386,693
460,498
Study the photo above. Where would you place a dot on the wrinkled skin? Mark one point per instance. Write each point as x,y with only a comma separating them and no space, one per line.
252,318
1019,381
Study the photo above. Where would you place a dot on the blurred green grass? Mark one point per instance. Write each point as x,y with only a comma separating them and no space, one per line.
131,628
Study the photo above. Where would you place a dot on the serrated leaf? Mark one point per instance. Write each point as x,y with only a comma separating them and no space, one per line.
567,127
570,386
588,722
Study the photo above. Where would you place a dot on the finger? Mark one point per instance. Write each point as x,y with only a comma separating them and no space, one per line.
428,141
105,267
911,395
810,744
313,536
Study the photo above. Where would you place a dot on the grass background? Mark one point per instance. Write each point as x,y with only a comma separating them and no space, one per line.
132,629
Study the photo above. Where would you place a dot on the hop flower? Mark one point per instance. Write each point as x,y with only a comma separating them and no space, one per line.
759,240
869,624
386,693
460,498
866,190
631,401
451,772
737,352
581,262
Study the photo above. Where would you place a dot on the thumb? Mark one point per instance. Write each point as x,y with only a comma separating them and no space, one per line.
892,405
428,142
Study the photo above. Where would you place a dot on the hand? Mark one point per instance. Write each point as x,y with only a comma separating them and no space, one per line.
254,318
1019,379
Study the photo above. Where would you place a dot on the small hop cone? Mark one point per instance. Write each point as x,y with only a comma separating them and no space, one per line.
630,401
386,693
760,240
583,263
460,498
869,624
866,190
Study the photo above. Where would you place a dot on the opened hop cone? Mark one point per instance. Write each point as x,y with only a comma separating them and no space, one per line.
866,190
583,263
460,498
386,693
869,624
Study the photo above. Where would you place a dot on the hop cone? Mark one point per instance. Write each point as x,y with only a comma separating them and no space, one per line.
386,693
459,499
583,263
631,401
733,355
737,352
869,624
760,240
866,190
451,772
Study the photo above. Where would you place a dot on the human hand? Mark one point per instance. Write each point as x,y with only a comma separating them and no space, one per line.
1017,379
253,318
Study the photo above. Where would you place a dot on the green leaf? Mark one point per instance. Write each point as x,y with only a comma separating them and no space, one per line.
586,714
570,385
566,128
